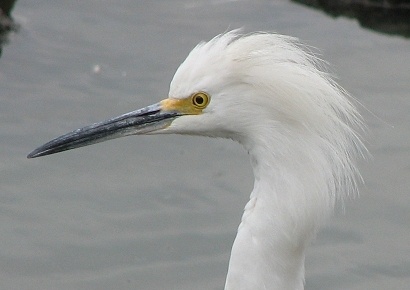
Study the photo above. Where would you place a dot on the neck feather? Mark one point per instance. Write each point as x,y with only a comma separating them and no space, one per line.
293,194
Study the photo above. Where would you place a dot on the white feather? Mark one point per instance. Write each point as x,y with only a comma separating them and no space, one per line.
270,93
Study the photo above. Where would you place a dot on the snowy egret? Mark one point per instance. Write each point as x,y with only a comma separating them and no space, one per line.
270,94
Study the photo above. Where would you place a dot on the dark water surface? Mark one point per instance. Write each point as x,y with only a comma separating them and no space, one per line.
162,212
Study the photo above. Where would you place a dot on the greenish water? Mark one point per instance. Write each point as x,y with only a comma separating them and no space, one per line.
156,212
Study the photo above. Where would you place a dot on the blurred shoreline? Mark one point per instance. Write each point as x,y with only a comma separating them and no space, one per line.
385,16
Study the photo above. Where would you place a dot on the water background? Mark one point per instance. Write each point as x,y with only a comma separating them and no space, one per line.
161,212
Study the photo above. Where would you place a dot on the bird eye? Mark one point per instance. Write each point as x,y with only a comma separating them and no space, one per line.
200,100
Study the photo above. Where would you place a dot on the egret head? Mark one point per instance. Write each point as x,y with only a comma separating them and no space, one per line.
252,88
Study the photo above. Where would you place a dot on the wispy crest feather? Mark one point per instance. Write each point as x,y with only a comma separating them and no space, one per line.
290,80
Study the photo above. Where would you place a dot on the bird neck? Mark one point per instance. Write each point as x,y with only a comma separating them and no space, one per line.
286,206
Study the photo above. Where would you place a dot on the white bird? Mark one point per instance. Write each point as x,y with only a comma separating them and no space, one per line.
270,94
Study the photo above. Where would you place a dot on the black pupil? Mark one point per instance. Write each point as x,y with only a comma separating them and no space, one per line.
199,100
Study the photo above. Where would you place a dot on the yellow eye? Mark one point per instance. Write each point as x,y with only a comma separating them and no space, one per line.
200,100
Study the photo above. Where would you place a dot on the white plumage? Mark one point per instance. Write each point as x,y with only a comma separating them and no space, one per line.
269,93
299,127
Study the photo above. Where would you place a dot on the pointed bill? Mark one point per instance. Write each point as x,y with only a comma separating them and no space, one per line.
142,121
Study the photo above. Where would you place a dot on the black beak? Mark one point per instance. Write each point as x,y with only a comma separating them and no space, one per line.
142,121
